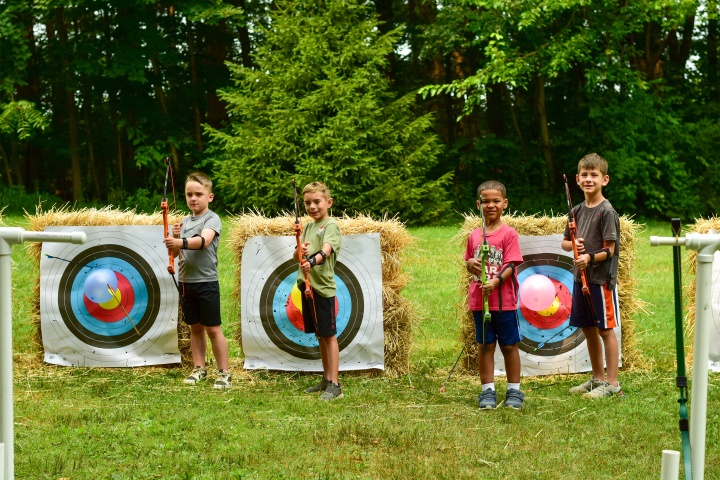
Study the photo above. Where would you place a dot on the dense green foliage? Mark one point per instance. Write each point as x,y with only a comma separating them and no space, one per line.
318,107
93,95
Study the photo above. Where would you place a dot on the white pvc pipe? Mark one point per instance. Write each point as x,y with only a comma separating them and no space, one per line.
670,465
706,245
10,236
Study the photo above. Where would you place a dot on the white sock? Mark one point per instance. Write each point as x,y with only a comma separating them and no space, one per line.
515,386
488,386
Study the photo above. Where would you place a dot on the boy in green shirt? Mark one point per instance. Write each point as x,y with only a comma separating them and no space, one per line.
320,246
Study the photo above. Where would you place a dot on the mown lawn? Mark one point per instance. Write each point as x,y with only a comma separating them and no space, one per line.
143,423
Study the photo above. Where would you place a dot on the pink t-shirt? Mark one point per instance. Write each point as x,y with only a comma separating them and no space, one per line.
504,249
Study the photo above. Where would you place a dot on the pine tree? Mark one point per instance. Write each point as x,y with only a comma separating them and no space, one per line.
318,106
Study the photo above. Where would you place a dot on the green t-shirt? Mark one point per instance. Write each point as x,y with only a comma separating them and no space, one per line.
322,277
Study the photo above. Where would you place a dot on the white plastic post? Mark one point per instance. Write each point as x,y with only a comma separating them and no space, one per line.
10,236
670,465
706,245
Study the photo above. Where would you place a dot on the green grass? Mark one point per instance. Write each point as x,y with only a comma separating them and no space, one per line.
143,424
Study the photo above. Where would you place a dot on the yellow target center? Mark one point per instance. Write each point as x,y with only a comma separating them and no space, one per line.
551,309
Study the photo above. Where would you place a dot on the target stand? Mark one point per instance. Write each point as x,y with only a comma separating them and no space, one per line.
8,238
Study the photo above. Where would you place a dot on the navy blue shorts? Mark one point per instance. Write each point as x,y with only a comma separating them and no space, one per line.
503,328
201,303
326,313
604,303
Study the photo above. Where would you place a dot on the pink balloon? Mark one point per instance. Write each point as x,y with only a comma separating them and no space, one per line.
537,292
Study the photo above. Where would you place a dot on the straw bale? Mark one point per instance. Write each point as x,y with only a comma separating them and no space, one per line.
399,315
701,225
93,217
536,225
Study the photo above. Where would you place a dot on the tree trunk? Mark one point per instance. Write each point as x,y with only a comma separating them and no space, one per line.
71,109
8,173
15,161
712,52
92,168
197,115
160,93
244,37
544,130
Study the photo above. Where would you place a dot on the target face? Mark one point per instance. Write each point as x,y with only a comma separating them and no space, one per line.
272,323
549,344
137,325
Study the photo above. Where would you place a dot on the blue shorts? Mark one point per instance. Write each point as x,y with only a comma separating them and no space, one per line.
503,328
604,303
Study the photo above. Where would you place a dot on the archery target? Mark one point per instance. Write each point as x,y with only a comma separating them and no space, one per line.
549,344
272,322
136,326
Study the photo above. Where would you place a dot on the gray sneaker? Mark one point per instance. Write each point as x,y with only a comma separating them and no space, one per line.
587,386
514,398
604,390
222,381
198,375
332,392
487,400
318,387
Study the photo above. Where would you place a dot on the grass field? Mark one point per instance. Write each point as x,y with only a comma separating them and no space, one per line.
85,423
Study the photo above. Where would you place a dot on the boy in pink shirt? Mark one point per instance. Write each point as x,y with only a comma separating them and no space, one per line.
501,290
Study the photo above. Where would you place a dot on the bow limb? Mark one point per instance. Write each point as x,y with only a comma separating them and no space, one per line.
165,214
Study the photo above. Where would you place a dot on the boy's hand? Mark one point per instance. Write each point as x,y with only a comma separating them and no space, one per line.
490,286
474,266
176,229
582,261
580,244
305,252
305,267
171,242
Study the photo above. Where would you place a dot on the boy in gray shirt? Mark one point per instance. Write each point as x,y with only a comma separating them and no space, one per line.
198,237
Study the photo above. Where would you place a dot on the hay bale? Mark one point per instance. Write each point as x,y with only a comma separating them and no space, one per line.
398,313
700,226
93,217
550,225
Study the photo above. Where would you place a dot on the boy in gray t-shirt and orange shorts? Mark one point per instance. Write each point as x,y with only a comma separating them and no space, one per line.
598,246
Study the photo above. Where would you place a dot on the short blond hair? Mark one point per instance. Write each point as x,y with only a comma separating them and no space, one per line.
200,178
592,161
313,187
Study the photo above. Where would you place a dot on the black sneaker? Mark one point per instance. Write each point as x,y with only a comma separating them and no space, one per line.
318,387
487,400
514,398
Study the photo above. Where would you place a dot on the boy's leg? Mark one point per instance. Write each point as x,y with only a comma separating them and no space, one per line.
219,346
486,363
198,344
511,354
611,354
595,351
330,352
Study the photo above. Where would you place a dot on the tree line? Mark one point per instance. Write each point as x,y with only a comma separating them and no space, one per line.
401,106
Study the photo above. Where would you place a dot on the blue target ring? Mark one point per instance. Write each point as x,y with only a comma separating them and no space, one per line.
142,279
104,328
289,330
284,334
559,339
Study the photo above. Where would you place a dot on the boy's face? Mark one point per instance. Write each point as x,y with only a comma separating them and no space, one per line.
197,197
316,205
493,204
591,180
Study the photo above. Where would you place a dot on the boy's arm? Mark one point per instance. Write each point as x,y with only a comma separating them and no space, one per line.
199,242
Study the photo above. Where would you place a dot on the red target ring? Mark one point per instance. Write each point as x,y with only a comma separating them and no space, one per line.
127,301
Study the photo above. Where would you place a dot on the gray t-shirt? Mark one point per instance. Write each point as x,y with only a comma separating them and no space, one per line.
200,265
596,225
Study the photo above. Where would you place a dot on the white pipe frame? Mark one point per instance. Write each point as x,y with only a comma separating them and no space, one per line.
10,236
706,245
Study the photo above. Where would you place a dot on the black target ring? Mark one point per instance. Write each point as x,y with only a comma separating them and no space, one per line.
147,278
280,340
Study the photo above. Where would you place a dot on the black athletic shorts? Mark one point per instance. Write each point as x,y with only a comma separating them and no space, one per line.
201,303
326,313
